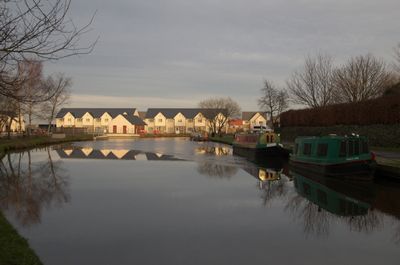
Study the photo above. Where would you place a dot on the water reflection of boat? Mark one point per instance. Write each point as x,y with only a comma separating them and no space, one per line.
333,196
112,154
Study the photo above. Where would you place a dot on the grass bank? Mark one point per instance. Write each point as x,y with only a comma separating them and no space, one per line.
7,145
225,139
14,249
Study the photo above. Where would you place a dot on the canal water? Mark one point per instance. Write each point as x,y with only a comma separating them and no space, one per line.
173,201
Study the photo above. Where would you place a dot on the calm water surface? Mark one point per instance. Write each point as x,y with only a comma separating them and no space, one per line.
172,201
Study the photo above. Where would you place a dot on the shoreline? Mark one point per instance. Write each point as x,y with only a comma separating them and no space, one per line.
7,145
387,167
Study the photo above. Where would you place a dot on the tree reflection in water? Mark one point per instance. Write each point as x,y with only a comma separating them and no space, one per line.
215,169
27,187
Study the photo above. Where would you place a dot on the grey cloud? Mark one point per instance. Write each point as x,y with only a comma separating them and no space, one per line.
220,47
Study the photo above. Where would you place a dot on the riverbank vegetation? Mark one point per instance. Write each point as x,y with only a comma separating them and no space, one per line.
7,145
14,249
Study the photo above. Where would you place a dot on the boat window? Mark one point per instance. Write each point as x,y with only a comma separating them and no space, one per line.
322,149
307,149
296,148
364,147
351,148
342,150
307,189
322,197
356,147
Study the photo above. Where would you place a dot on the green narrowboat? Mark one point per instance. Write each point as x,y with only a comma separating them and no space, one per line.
337,156
258,146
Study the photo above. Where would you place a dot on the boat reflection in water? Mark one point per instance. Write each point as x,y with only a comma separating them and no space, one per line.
114,154
322,202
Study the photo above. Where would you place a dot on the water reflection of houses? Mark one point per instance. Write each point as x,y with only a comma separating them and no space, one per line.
112,154
214,150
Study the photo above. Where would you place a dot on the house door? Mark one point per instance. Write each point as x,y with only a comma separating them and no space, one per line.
124,129
115,129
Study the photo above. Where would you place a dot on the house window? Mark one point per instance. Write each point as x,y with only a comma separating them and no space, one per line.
200,120
307,149
62,119
79,119
261,122
106,119
189,120
159,120
322,149
151,120
179,120
88,120
69,120
98,120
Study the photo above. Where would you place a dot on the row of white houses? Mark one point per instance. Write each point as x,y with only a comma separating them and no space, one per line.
154,120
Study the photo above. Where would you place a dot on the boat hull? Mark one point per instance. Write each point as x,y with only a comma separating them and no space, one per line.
259,154
355,170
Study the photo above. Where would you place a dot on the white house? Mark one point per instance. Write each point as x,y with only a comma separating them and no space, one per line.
11,122
101,120
181,120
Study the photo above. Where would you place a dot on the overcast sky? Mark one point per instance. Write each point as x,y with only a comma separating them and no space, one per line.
174,53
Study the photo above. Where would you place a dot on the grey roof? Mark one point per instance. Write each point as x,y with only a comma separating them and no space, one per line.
189,113
95,112
247,115
135,120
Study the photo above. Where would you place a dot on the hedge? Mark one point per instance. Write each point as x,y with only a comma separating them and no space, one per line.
384,110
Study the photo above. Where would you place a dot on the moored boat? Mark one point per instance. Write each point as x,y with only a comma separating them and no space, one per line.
347,157
258,146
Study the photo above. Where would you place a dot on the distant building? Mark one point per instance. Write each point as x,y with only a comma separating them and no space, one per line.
235,125
101,120
182,120
254,118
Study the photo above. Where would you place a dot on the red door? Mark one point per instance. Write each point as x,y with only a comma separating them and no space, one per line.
115,129
124,129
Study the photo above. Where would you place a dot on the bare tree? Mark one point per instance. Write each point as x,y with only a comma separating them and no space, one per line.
61,85
273,100
38,29
312,85
30,75
216,106
361,78
397,58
